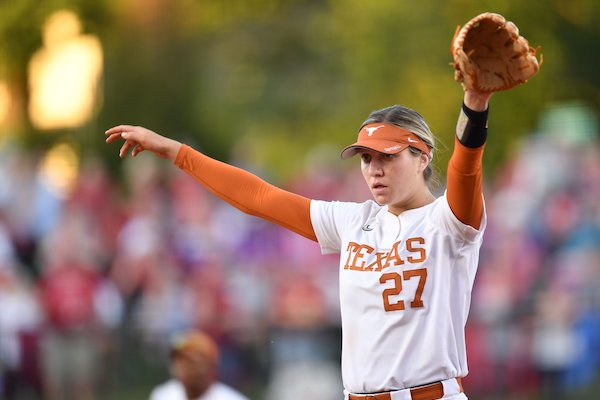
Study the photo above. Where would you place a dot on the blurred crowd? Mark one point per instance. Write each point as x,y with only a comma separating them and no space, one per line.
117,266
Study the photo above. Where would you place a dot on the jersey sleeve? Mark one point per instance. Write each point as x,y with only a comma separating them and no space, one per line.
331,219
447,220
247,192
464,184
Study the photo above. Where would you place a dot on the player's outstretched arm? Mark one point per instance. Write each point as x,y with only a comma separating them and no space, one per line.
464,181
489,56
241,189
138,139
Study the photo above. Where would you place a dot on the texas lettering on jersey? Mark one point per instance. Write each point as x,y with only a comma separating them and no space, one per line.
356,253
416,254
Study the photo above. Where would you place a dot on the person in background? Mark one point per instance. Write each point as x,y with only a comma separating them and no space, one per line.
193,361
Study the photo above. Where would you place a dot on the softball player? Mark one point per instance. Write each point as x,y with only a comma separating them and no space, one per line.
407,259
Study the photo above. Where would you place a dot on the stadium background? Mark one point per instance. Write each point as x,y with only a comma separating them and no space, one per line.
278,87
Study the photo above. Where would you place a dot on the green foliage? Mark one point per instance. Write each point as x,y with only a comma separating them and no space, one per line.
278,77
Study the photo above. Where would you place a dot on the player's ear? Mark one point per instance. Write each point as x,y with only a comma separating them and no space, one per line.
423,162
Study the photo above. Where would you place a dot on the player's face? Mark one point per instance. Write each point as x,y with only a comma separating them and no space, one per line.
395,180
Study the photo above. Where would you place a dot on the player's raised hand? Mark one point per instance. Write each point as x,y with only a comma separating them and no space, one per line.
138,139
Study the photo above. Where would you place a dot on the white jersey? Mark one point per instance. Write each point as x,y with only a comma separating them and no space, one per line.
405,290
173,390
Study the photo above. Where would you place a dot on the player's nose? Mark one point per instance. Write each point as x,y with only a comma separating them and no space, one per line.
375,167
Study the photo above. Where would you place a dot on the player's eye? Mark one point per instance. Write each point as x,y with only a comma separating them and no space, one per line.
366,158
388,157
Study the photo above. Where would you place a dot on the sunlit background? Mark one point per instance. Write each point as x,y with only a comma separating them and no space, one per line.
102,259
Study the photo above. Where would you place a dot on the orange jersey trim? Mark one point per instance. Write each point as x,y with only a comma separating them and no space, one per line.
247,192
464,184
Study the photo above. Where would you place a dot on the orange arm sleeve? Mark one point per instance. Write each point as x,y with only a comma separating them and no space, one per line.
247,192
464,184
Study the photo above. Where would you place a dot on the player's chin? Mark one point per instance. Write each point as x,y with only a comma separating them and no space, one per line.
380,199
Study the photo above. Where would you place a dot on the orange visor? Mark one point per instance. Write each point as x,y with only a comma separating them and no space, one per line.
385,138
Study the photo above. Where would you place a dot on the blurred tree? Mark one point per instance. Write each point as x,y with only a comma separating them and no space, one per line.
263,78
19,37
21,23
